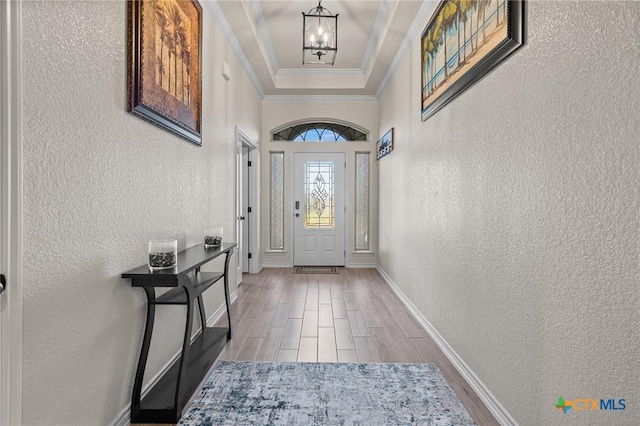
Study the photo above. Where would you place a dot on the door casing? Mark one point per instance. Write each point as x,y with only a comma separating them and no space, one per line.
11,304
246,192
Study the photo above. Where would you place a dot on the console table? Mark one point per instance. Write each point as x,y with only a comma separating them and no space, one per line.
165,401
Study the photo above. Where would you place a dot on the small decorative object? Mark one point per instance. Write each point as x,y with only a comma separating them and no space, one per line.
165,65
463,42
212,236
385,145
163,254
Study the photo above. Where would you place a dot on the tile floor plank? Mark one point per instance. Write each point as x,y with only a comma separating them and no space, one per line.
308,351
327,351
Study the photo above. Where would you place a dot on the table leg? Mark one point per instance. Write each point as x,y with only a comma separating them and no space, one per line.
144,351
226,291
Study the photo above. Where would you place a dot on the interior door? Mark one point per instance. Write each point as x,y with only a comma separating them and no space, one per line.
240,249
319,209
245,223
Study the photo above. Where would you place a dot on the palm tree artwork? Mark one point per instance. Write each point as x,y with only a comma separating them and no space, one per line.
164,53
173,55
459,35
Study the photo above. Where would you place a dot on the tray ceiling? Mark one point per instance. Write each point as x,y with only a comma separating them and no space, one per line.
371,34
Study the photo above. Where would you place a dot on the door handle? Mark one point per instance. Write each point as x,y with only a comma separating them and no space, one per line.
3,283
297,214
297,205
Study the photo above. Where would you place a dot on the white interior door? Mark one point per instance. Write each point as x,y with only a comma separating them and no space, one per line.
240,249
244,218
319,209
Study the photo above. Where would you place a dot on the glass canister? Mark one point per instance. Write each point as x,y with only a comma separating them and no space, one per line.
163,254
212,236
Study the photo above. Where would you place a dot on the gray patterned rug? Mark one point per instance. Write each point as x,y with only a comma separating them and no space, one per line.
273,393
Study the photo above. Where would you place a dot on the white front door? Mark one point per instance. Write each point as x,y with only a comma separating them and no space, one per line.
319,209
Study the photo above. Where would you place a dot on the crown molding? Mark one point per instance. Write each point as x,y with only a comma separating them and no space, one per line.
320,98
425,12
214,9
373,47
263,38
321,71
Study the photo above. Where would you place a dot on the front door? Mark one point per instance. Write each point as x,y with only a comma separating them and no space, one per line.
319,209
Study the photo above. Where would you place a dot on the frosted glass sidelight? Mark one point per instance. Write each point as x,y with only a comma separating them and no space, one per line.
276,237
362,201
319,194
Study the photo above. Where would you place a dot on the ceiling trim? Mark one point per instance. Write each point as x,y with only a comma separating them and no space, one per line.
367,59
320,98
260,22
214,9
425,12
326,71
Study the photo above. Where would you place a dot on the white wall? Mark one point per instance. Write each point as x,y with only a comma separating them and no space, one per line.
275,114
98,184
511,217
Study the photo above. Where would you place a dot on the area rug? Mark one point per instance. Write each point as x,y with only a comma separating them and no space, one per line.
315,270
273,393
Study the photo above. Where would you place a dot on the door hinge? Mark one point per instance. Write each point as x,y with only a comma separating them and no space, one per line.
248,209
345,164
249,163
249,255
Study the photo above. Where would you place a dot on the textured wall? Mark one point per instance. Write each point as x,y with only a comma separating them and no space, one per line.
511,218
98,184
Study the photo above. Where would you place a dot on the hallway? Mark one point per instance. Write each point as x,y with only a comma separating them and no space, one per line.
352,316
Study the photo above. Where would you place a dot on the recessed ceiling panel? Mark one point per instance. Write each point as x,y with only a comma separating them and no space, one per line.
370,33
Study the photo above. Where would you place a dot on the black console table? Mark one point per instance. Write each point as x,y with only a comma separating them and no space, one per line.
165,401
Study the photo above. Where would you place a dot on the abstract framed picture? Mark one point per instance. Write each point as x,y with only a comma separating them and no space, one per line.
463,42
165,65
385,145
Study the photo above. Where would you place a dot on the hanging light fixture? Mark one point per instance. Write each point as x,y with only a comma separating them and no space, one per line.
319,36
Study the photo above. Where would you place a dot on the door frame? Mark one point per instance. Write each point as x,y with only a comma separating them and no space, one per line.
11,303
244,141
292,190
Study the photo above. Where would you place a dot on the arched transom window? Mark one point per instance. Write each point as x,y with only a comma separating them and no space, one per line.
319,132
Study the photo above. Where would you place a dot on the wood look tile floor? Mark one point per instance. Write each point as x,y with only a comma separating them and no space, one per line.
353,316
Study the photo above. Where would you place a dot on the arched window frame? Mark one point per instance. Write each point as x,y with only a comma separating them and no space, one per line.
341,131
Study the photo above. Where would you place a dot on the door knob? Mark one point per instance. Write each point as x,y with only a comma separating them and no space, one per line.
297,214
3,283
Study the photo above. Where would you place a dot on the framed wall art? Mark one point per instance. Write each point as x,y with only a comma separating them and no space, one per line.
385,145
165,65
464,41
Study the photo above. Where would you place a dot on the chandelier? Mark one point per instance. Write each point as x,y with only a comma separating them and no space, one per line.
319,36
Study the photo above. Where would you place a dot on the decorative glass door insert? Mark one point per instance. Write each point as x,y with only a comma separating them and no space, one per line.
318,209
319,194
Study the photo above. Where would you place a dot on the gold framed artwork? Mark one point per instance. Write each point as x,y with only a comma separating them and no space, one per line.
165,65
463,42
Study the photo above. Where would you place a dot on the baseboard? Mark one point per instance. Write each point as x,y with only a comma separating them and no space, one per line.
124,417
492,403
276,265
362,265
